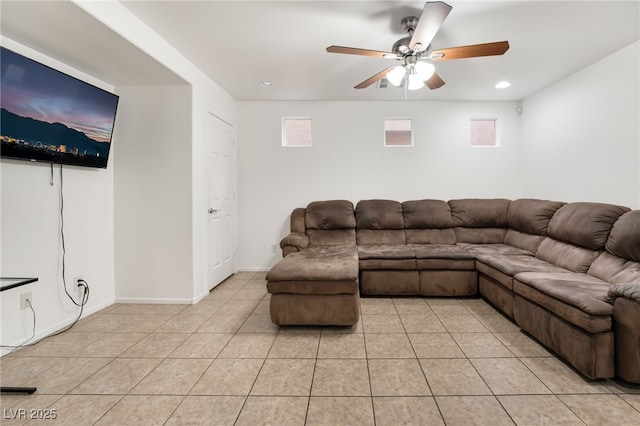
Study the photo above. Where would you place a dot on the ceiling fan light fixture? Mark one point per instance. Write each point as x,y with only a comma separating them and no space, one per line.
396,75
424,70
415,82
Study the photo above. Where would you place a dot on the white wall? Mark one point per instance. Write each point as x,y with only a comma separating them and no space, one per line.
206,96
153,195
581,135
31,244
348,161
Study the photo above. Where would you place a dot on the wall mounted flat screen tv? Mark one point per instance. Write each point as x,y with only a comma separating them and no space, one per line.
52,117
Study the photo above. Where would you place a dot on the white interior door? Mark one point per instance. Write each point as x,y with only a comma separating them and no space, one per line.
220,150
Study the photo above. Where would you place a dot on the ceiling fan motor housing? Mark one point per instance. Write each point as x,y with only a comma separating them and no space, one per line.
401,47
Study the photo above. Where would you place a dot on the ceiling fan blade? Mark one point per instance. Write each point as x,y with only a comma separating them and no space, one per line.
472,51
361,52
379,76
434,82
433,15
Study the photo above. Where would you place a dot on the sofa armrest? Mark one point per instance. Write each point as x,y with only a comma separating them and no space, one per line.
626,317
295,241
629,291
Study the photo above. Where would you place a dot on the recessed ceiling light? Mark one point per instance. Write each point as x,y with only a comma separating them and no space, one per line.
503,85
266,84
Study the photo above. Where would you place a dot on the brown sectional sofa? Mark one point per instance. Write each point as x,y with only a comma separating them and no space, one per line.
566,273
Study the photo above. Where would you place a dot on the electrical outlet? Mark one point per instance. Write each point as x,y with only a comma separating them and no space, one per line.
79,288
274,248
23,300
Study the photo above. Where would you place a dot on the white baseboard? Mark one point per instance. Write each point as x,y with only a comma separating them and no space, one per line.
154,301
253,269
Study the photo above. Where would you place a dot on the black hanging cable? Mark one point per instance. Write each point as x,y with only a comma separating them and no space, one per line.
64,250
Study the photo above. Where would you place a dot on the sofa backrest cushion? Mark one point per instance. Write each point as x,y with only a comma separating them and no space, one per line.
379,222
330,222
479,213
566,255
584,224
523,240
426,214
614,269
428,222
531,216
479,221
624,239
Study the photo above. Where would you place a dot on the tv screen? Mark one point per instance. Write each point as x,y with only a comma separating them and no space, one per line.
52,117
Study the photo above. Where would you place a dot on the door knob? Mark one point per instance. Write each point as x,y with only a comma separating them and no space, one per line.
212,211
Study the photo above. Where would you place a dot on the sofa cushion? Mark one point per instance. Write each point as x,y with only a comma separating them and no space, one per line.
531,216
430,236
330,223
614,269
428,222
396,251
565,255
427,214
379,222
333,263
507,266
379,214
522,240
479,213
579,299
584,224
330,215
380,236
440,251
624,239
480,235
397,257
337,237
443,257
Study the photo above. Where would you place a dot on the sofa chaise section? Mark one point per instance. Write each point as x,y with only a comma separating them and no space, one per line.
316,283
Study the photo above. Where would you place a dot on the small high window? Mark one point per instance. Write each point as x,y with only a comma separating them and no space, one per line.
398,132
296,131
483,132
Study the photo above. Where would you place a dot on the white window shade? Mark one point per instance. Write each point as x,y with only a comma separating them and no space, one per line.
483,132
398,132
296,132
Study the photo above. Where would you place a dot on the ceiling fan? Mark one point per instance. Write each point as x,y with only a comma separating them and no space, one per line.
416,53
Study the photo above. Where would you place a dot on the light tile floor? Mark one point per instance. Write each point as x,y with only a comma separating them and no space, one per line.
409,361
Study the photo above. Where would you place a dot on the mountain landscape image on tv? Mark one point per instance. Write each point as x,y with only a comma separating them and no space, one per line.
49,116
